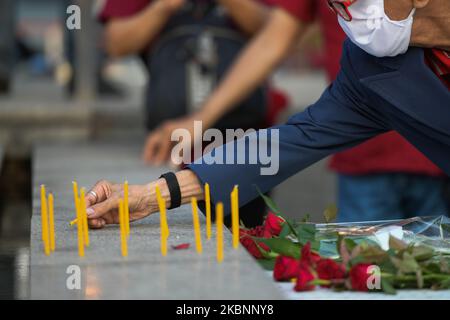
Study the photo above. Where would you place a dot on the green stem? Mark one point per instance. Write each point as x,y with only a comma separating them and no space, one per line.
434,276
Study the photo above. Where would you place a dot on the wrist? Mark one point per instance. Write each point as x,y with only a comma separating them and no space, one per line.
165,194
190,186
207,117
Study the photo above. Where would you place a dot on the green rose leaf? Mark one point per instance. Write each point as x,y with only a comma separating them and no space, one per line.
421,253
284,247
285,230
387,287
267,264
306,232
407,264
269,203
397,244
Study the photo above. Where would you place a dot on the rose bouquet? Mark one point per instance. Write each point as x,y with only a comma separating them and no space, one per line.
361,257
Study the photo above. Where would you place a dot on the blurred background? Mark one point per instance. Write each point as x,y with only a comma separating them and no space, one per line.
59,86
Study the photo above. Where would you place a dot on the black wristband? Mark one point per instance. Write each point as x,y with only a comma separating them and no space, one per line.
174,189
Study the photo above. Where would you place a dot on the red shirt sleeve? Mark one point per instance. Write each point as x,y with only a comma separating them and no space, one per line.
303,10
120,8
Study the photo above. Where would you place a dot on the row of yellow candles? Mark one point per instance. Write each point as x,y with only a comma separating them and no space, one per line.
196,223
47,221
124,221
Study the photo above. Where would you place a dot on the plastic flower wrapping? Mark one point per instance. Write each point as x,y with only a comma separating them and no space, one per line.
383,256
433,231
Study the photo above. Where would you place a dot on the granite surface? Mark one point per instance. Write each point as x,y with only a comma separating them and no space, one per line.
144,274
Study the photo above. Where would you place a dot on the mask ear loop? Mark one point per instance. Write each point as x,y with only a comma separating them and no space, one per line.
400,22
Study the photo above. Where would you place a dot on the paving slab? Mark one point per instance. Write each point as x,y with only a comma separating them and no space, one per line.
144,274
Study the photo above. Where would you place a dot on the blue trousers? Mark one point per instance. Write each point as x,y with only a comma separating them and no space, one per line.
389,196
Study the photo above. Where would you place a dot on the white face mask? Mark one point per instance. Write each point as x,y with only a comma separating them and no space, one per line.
374,32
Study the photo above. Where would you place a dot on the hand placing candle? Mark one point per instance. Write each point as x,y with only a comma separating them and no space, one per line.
103,199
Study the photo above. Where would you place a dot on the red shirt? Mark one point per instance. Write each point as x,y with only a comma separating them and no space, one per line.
121,8
439,62
389,152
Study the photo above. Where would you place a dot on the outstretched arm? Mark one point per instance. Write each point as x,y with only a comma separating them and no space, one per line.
249,15
339,120
131,35
253,66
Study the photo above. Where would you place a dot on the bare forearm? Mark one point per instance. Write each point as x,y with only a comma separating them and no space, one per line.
131,35
249,15
254,65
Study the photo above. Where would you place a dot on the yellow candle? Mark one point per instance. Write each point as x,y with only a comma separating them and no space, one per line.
123,237
73,221
83,215
51,216
208,211
79,228
75,197
126,207
162,210
196,223
219,231
162,221
44,221
235,217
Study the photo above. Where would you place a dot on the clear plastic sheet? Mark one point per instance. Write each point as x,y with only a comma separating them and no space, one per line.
433,231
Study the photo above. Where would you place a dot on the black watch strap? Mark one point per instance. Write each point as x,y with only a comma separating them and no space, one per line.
174,189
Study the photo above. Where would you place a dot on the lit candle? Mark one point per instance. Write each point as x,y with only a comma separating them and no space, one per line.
44,221
208,211
219,231
83,215
196,223
162,221
123,237
235,216
79,228
51,215
126,208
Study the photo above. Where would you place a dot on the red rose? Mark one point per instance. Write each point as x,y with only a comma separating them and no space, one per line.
250,244
359,276
308,257
304,277
328,269
272,225
286,268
